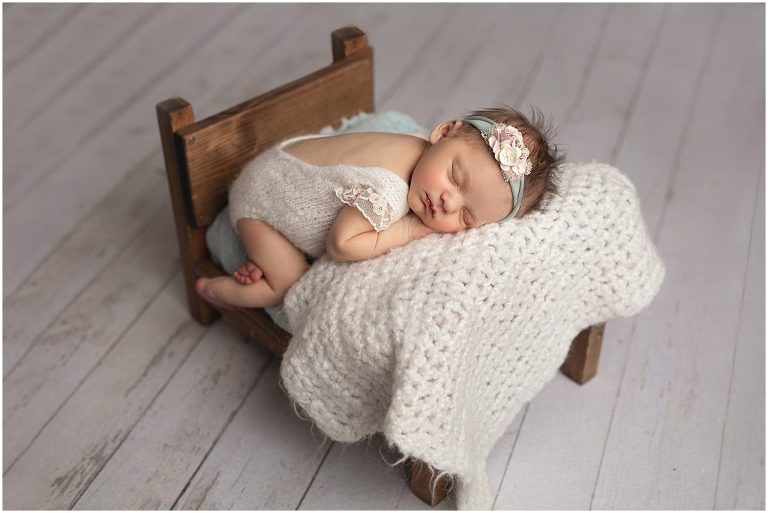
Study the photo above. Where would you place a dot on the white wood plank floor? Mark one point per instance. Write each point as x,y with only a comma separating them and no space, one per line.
114,398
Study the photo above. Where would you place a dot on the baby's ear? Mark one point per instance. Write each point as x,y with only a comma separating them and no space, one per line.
443,130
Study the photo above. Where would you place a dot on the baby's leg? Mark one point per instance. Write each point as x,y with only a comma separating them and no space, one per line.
281,262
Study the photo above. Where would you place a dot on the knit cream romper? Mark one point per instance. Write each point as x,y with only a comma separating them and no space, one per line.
301,200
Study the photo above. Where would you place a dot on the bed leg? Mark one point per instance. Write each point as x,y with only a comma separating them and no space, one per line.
419,477
173,114
581,363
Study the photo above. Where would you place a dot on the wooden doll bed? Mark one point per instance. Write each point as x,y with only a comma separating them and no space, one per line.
203,157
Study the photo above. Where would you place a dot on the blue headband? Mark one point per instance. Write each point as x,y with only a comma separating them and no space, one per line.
484,125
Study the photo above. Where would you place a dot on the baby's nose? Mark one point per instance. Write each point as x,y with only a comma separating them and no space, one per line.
446,205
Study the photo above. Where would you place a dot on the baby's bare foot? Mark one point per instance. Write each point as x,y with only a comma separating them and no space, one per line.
201,286
248,273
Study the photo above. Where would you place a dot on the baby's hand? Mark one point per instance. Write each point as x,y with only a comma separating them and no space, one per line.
416,228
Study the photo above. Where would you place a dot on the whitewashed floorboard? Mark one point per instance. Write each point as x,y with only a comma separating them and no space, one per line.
27,28
75,117
151,467
72,174
80,256
249,467
741,476
394,57
356,476
308,48
87,330
32,85
558,448
143,453
429,81
664,443
95,421
479,81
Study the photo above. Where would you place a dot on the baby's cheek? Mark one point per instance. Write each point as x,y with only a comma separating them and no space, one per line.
431,182
445,225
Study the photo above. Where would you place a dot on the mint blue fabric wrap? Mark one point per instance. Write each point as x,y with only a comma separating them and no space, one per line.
224,244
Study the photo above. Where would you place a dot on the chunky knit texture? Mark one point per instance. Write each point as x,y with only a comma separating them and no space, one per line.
301,200
439,343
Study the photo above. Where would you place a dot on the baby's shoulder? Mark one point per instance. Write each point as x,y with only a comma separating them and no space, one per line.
367,149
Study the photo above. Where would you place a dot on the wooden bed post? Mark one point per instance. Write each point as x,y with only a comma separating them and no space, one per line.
173,114
421,481
347,41
581,363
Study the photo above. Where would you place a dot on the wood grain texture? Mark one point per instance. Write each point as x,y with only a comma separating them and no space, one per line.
94,244
98,417
28,27
83,334
63,176
112,76
173,115
249,466
151,467
31,81
741,476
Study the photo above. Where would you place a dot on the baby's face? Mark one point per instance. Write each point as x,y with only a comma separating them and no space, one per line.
462,181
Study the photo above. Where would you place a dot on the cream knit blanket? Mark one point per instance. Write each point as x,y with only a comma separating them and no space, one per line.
439,343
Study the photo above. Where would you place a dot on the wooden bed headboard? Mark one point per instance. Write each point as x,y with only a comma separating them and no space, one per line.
209,153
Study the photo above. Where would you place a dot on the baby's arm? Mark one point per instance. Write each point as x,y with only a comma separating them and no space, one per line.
352,237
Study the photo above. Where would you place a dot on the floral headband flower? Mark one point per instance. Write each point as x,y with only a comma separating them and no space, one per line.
508,148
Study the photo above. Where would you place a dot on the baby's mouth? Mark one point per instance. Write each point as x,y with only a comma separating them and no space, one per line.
430,207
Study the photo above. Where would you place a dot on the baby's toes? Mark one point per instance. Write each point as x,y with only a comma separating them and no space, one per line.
254,271
200,284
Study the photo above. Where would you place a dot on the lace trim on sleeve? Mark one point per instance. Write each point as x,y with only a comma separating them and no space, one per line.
371,204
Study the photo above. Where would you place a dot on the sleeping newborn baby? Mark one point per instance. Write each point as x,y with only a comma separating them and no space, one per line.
355,196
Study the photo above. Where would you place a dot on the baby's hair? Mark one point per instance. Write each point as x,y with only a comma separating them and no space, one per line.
544,178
